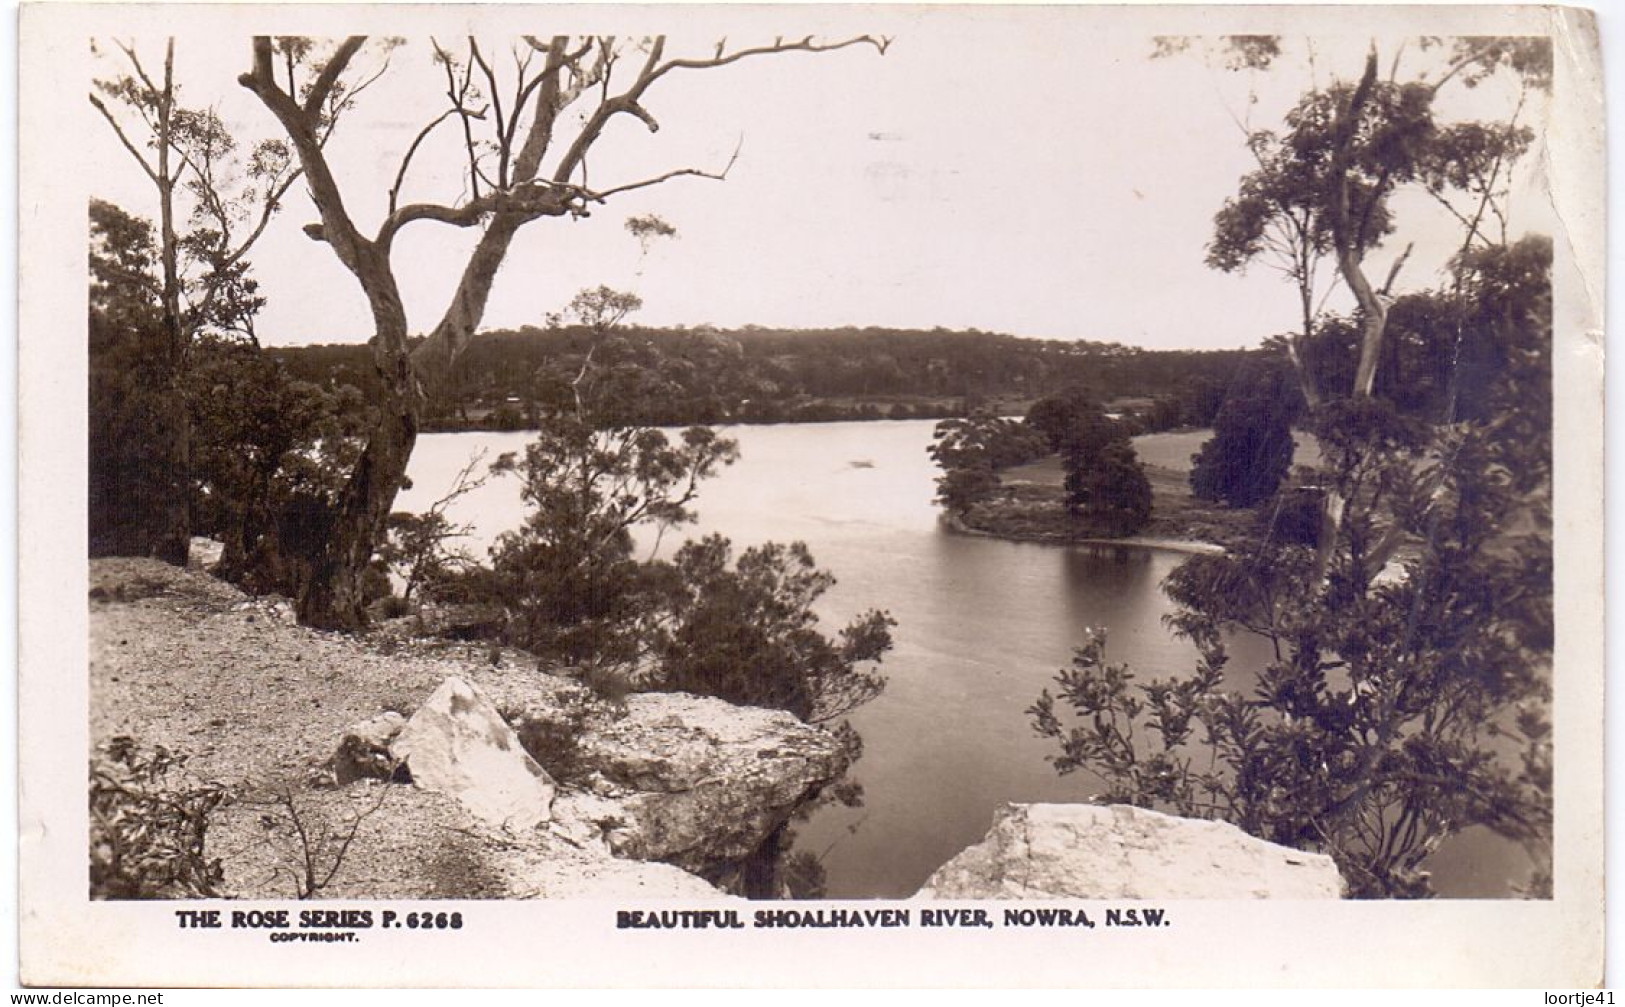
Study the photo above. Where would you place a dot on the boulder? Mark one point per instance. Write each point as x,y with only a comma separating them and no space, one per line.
457,744
364,750
204,553
697,782
1089,851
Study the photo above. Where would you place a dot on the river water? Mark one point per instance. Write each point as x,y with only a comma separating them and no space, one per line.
983,627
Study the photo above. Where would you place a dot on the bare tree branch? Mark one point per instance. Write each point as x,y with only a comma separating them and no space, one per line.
720,176
807,44
124,139
406,159
331,72
1393,271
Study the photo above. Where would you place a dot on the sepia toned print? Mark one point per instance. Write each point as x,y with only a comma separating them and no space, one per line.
765,486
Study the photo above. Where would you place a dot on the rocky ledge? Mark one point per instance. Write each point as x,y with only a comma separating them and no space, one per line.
1087,851
413,769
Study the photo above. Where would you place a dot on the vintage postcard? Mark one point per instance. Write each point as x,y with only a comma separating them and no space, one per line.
811,495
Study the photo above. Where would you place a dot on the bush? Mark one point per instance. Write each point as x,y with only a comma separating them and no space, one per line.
748,634
148,826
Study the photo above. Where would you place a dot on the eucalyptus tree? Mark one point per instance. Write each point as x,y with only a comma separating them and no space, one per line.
1418,631
215,194
528,122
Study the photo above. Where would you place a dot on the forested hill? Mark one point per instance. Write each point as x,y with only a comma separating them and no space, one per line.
759,375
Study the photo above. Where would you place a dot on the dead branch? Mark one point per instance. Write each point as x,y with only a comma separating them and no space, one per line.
406,160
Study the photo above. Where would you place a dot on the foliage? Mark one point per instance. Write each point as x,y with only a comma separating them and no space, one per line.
269,455
757,374
529,122
748,634
136,471
148,826
1065,415
970,452
1105,483
1109,488
568,572
1288,208
1250,452
186,279
1407,693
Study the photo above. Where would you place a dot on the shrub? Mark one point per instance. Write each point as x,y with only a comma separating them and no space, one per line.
149,826
748,634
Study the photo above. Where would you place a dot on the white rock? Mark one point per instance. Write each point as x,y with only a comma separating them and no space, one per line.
204,553
1090,851
457,744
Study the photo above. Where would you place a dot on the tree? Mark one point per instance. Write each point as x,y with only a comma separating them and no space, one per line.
749,634
1324,186
135,473
592,475
1250,452
1105,483
511,126
213,205
568,573
971,451
1368,734
1406,656
1057,415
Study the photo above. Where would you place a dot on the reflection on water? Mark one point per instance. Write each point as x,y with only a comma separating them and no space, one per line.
983,626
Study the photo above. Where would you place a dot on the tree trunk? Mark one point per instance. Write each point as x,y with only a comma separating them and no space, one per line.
171,538
332,593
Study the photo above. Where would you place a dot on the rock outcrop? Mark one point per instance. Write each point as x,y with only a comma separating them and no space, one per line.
1087,851
684,780
457,744
697,782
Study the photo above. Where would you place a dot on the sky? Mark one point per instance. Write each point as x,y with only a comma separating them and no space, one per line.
1032,172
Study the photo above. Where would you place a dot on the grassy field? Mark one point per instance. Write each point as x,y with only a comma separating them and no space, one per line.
1171,453
1029,505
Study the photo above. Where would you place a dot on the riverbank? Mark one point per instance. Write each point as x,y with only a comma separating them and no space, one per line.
1183,546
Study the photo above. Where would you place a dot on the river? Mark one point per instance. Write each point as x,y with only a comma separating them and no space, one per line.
982,627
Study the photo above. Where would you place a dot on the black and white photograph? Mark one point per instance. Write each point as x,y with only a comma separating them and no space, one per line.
1018,494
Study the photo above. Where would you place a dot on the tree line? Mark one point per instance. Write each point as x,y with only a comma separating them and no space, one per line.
762,375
